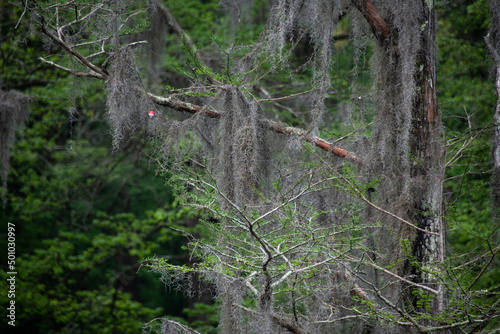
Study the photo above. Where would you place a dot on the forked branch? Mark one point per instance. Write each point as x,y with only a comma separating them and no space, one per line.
378,25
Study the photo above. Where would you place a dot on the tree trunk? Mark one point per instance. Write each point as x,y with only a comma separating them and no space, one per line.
493,42
427,150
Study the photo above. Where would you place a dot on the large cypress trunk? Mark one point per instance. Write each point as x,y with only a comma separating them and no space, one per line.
408,150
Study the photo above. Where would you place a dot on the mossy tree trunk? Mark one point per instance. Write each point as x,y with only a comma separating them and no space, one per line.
412,158
272,243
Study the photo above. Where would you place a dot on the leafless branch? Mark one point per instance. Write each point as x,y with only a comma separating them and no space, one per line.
483,270
276,317
271,125
373,205
270,99
75,73
364,199
390,273
77,55
468,263
186,39
90,14
165,321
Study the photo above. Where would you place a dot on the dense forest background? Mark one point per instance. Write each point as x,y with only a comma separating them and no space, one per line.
89,209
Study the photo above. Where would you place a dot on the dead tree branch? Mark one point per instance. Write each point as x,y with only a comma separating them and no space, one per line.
75,54
266,123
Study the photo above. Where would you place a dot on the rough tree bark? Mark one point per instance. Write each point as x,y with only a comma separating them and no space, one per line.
492,40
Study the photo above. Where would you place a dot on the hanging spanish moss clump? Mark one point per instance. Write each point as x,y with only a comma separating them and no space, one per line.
396,67
13,113
393,71
155,35
361,99
241,149
320,18
230,293
128,108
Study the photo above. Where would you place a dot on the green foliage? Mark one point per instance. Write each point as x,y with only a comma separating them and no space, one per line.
75,279
465,90
467,98
72,256
208,315
423,299
84,216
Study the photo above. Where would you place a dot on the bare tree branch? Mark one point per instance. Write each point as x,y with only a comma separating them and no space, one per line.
378,25
61,29
390,273
77,55
373,205
185,38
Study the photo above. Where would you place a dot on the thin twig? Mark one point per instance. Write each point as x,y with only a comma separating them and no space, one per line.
390,273
282,97
370,203
82,18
